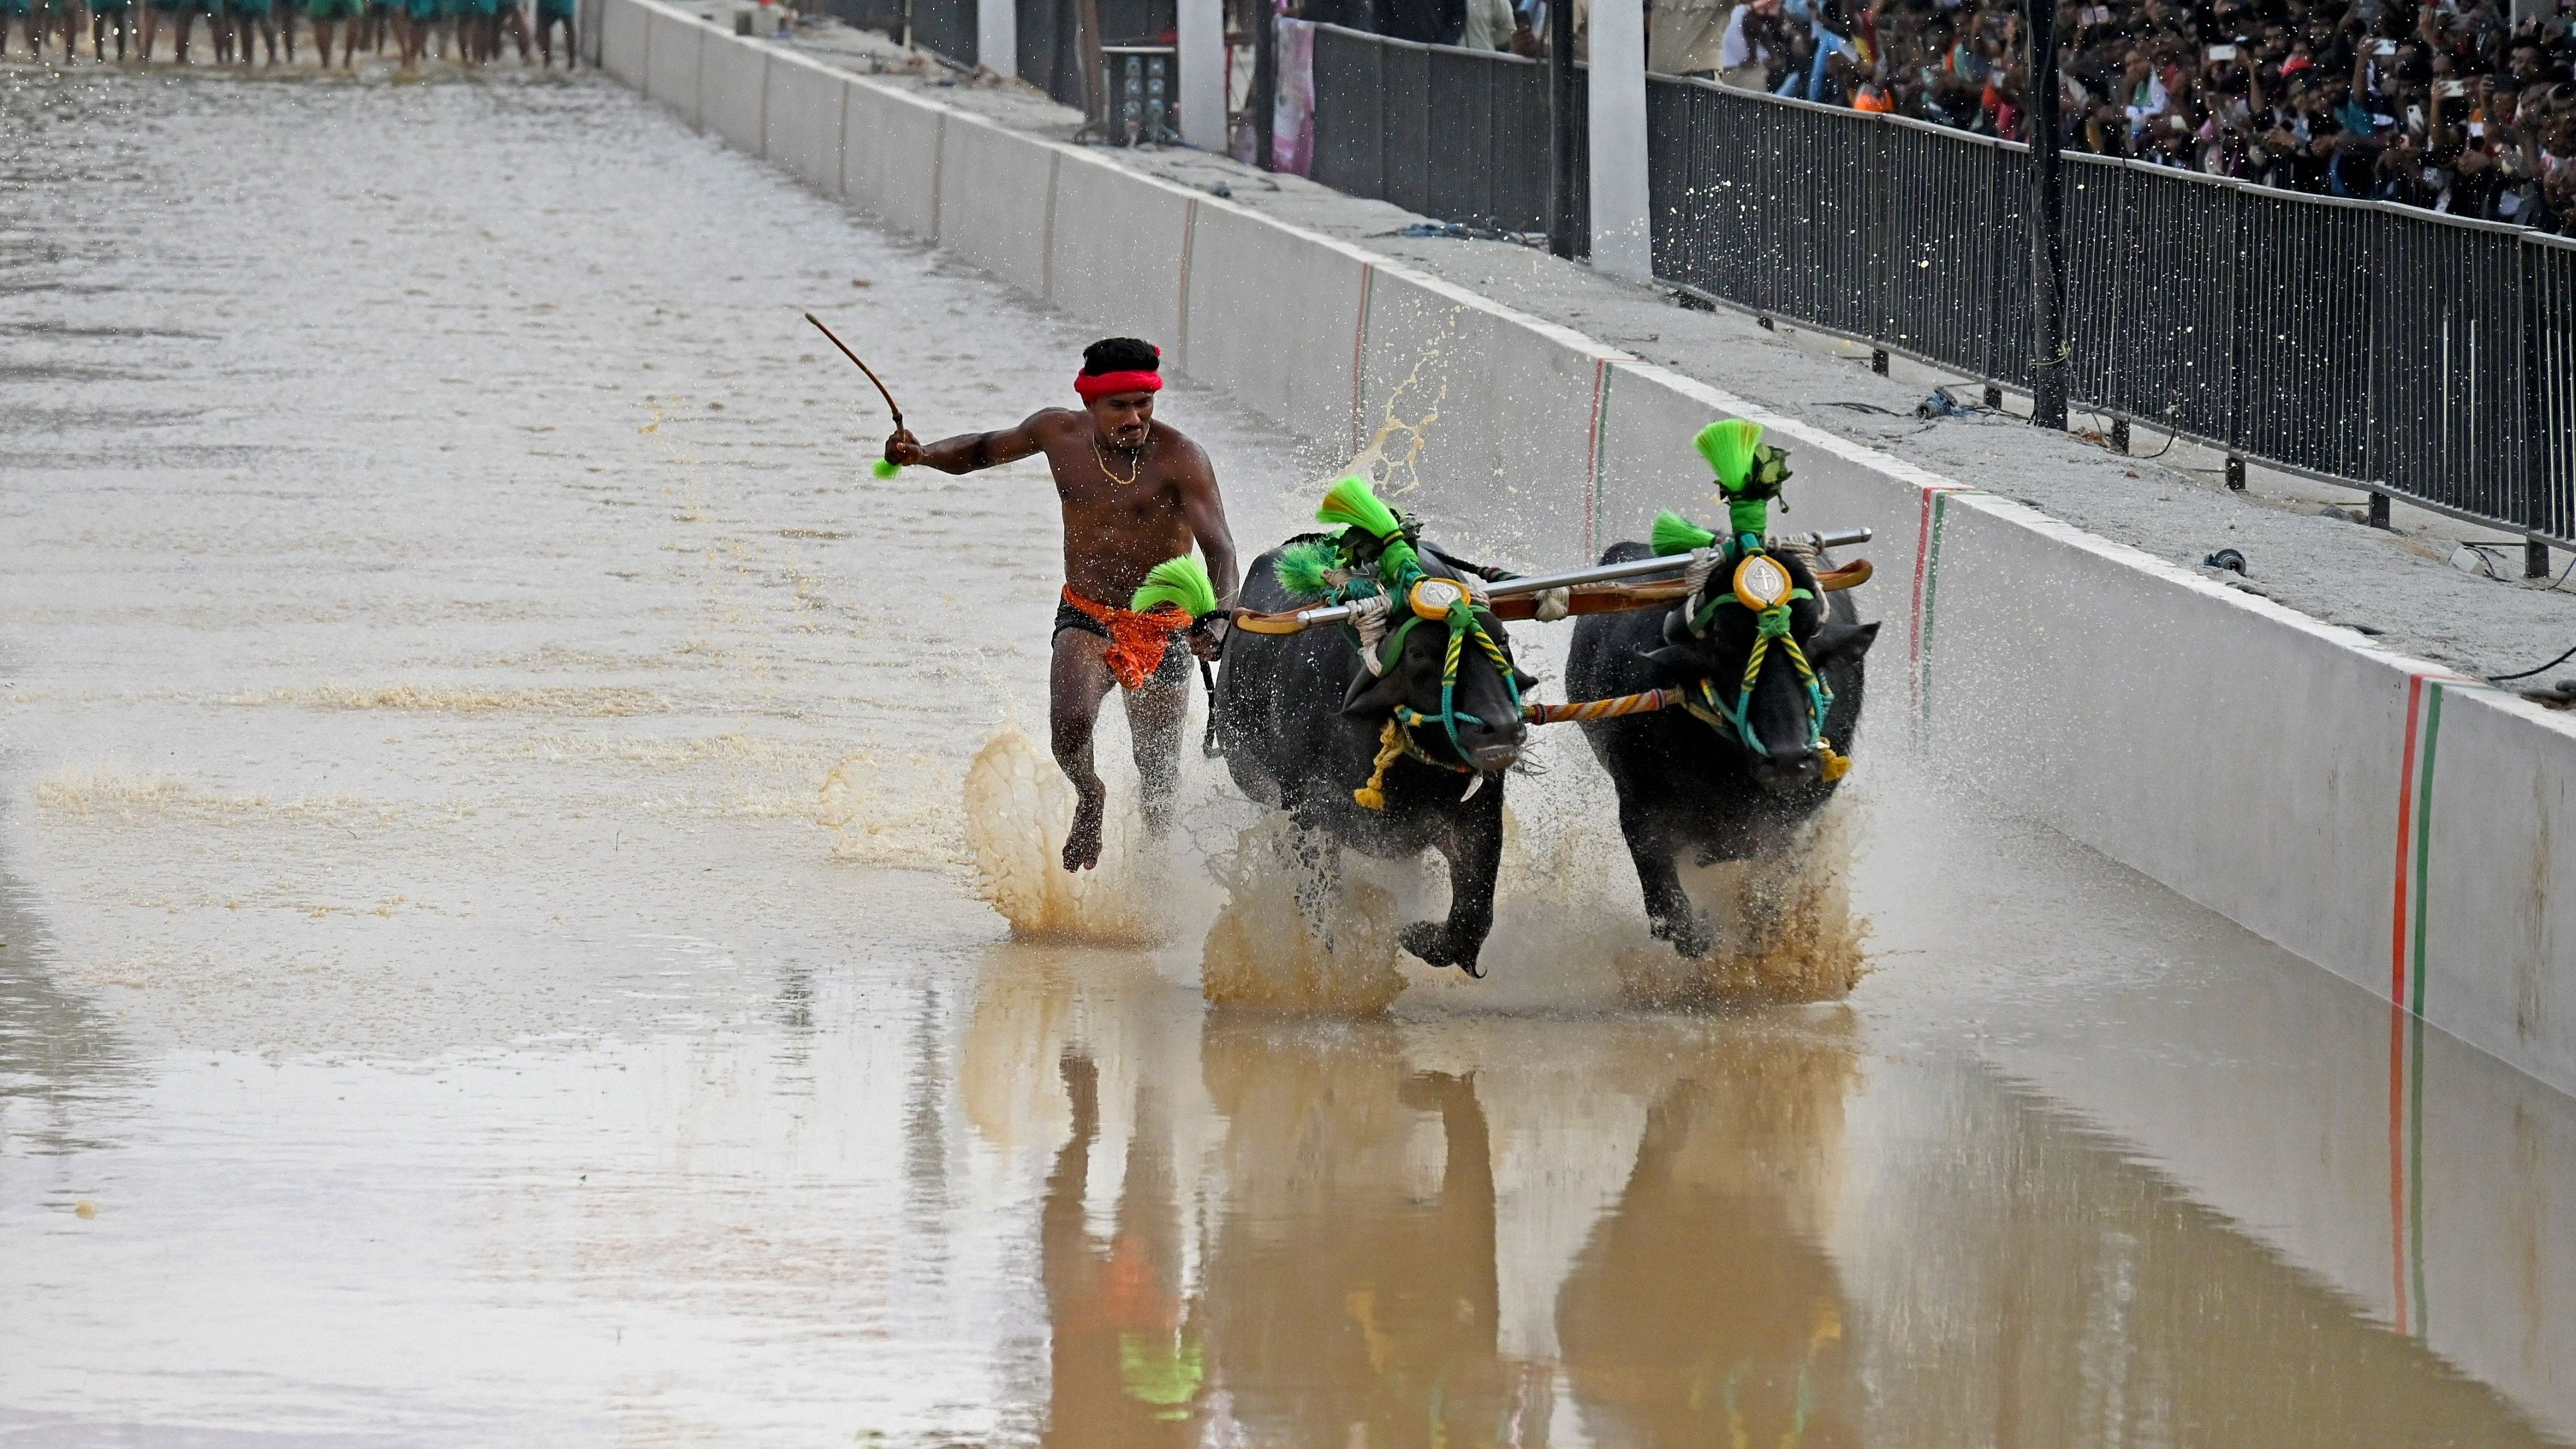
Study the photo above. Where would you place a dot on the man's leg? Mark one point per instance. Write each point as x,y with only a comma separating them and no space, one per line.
1155,716
1076,682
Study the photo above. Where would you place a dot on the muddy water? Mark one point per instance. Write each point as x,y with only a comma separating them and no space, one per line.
503,826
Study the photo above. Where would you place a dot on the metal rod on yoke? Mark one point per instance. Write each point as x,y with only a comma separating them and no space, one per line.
1671,563
863,367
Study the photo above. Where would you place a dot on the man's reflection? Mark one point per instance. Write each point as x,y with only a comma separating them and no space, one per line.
1127,1360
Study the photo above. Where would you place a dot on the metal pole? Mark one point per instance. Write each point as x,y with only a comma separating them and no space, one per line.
1265,85
2048,343
1561,239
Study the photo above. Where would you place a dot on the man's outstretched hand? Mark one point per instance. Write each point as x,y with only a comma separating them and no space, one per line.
903,449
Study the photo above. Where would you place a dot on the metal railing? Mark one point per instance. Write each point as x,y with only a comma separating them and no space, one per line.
2378,346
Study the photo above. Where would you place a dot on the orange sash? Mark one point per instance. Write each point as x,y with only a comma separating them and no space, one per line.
1136,641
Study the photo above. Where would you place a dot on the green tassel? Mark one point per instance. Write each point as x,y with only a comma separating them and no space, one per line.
884,469
1728,447
1303,568
1676,534
1354,502
1183,581
1749,515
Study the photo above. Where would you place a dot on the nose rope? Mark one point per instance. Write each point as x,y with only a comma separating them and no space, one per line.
1462,625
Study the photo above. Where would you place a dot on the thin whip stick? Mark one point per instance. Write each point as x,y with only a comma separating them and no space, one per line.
863,367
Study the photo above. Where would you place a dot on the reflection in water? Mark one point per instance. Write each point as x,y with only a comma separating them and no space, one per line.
2069,1294
60,1059
1351,1281
1703,1311
1128,1362
1741,1269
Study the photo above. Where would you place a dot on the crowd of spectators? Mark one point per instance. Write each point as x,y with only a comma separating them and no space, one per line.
2454,106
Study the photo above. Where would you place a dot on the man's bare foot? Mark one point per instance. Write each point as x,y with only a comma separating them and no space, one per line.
1082,842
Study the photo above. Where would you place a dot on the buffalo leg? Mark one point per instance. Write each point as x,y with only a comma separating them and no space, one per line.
1668,907
1474,851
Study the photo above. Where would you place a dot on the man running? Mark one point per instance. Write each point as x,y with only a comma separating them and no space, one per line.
1135,492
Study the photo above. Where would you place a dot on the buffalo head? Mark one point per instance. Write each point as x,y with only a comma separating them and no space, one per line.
1780,722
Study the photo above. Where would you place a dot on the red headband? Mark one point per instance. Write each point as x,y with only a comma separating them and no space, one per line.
1095,385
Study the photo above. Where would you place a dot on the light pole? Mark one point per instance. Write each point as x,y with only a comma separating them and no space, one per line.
1562,238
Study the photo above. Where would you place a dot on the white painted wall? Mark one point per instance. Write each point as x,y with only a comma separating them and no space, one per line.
997,36
1201,41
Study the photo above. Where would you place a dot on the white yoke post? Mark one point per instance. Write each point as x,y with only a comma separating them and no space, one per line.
997,36
1201,42
1620,244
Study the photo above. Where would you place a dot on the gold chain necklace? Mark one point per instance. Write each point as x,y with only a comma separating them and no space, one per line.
1132,473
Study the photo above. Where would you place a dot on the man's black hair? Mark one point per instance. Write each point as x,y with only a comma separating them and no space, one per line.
1121,354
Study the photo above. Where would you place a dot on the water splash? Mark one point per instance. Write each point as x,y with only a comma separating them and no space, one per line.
1018,807
1293,940
1784,927
1392,472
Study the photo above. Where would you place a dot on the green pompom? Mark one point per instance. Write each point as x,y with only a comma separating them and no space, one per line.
1305,569
1354,502
1676,534
1183,581
884,469
1728,447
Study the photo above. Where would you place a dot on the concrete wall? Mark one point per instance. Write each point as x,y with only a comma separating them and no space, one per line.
2412,832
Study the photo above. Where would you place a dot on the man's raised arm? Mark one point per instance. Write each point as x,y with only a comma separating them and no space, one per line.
967,451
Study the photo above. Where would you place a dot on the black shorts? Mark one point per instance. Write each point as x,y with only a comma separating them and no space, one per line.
1069,617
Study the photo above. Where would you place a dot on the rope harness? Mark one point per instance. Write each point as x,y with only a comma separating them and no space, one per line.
1399,572
1700,698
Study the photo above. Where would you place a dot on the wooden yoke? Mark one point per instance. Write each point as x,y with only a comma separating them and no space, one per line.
1580,599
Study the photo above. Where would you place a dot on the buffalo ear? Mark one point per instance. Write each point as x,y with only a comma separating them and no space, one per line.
1375,694
1673,659
1526,680
1844,641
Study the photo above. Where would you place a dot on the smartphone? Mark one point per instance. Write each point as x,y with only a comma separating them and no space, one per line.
2453,89
2385,47
2222,52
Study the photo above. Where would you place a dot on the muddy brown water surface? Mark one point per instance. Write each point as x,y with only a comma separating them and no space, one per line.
497,817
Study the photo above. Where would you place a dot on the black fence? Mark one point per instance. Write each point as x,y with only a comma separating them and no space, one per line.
2376,345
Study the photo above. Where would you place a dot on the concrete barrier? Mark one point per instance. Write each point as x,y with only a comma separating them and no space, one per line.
1115,247
672,48
987,177
1264,324
2403,828
801,122
733,91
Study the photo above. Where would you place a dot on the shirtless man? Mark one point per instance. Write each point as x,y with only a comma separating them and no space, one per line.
1135,492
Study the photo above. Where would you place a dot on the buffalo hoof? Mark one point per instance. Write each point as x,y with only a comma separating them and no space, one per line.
1430,941
1689,934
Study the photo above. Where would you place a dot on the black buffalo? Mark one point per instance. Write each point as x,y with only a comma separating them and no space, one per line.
1688,785
1299,718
